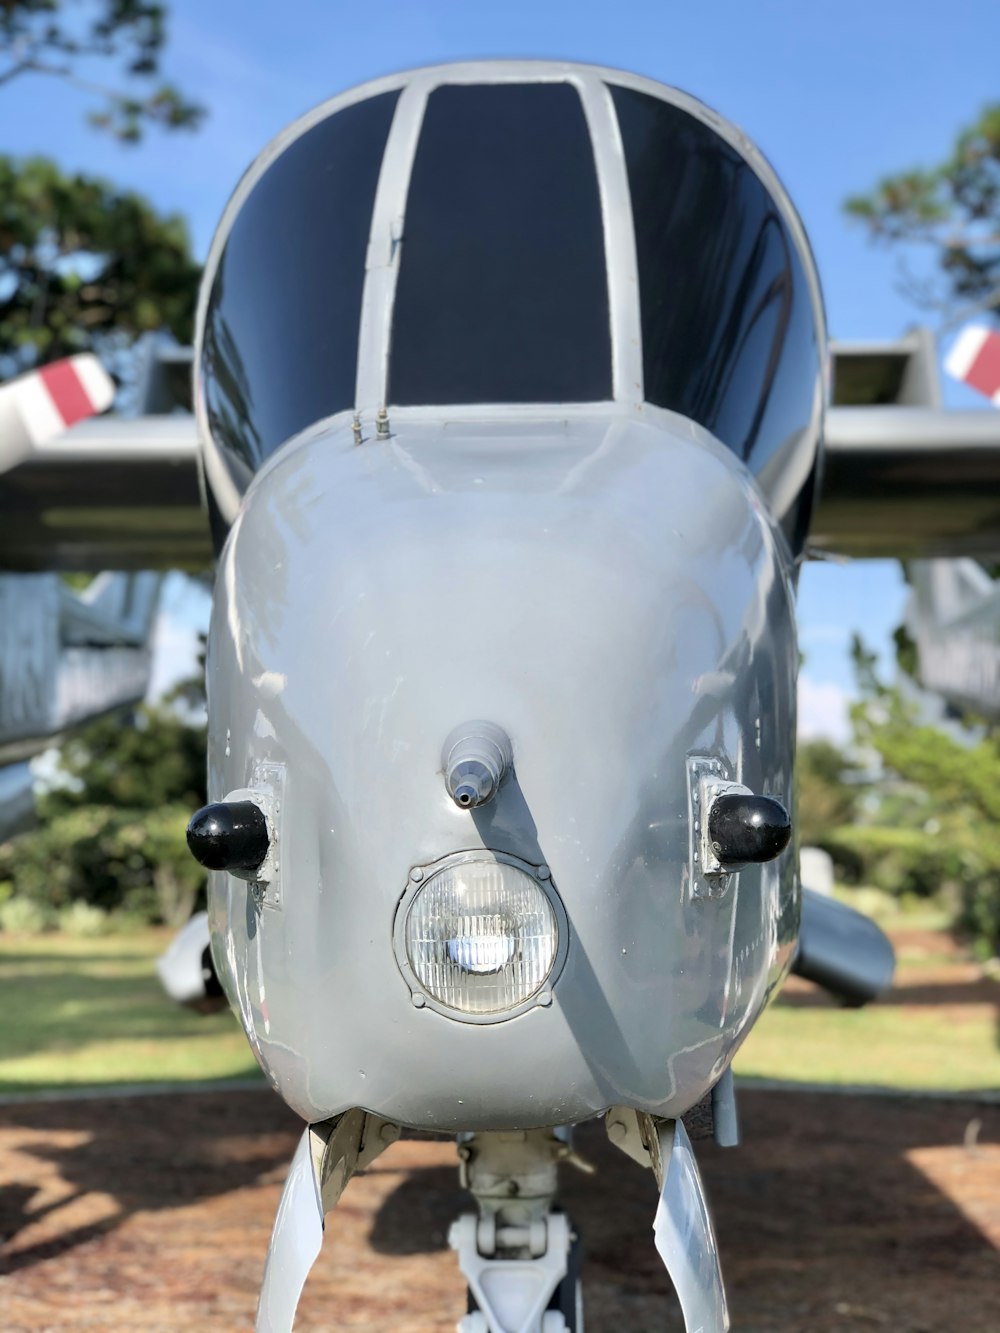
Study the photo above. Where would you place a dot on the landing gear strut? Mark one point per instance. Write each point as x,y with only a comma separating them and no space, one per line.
520,1256
517,1255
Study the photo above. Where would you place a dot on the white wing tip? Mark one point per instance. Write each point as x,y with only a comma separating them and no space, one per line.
96,382
966,348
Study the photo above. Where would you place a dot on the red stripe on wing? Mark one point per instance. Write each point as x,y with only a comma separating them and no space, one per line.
66,391
984,373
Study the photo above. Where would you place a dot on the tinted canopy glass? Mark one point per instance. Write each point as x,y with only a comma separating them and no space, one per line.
280,345
729,324
502,294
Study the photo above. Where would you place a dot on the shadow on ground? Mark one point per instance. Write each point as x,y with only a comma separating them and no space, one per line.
978,991
838,1213
826,1219
142,1153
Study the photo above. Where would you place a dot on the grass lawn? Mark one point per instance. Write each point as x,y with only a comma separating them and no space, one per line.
884,1046
938,1029
91,1012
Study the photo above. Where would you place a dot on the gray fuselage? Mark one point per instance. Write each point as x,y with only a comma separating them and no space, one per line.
609,588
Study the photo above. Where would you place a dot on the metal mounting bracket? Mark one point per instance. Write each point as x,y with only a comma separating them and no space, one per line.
267,791
708,778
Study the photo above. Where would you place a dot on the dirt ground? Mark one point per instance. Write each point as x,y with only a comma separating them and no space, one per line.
838,1213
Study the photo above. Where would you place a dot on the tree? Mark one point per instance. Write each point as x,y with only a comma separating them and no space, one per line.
935,822
826,796
51,37
84,266
931,826
111,830
158,762
952,211
87,266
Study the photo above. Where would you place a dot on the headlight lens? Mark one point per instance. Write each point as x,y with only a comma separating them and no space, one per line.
480,936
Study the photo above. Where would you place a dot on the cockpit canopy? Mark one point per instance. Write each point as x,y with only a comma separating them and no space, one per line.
515,233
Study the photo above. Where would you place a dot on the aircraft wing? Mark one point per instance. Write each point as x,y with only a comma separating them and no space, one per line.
43,403
88,492
953,613
908,482
953,616
110,493
902,477
79,491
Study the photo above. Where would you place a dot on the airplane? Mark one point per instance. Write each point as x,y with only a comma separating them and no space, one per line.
953,612
513,424
66,656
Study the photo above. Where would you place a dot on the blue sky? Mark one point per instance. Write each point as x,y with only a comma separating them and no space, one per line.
836,95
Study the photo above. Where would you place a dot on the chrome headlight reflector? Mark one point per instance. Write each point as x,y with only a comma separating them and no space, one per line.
480,935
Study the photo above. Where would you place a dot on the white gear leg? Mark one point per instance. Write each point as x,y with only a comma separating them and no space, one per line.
327,1156
684,1235
296,1240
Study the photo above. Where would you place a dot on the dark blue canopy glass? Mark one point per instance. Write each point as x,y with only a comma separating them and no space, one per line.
502,289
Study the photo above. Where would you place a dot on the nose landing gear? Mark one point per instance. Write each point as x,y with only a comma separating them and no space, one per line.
519,1257
514,1275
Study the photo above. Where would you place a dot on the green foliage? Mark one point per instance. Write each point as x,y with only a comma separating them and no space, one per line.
932,825
84,266
907,654
22,916
115,859
826,795
953,211
84,921
51,37
156,762
112,833
907,862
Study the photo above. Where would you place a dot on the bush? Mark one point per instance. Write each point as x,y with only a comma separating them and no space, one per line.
931,828
111,836
907,862
84,920
22,916
108,858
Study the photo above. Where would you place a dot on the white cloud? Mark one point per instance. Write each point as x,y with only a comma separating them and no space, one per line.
823,710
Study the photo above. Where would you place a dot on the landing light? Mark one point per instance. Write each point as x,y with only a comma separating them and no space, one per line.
480,936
